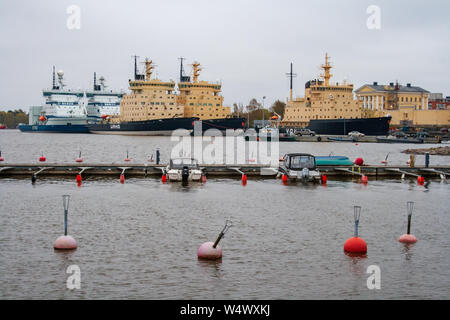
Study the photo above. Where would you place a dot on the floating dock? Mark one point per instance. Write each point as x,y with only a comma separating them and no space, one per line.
148,170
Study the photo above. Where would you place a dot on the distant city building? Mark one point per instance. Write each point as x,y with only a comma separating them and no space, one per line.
407,105
438,102
392,97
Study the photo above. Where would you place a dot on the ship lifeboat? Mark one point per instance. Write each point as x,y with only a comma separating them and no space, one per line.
42,118
274,118
104,116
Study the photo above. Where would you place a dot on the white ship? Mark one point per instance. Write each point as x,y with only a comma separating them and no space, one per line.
69,111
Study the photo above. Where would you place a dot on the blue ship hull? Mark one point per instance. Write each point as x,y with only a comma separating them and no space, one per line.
49,128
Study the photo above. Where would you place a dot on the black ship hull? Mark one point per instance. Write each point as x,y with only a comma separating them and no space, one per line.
158,127
368,126
224,124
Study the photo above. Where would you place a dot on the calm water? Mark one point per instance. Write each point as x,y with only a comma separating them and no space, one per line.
139,239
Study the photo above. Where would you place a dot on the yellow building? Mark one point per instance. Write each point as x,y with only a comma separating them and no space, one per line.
323,100
407,105
150,99
201,99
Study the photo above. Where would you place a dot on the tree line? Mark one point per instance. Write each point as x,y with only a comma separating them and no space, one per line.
254,111
12,118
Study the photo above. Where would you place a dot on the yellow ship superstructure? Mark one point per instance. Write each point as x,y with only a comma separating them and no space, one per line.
201,99
150,99
322,100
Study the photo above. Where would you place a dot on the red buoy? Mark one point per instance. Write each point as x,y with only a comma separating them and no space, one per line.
122,178
164,178
359,161
284,178
364,179
420,180
323,179
244,179
203,178
355,245
79,160
78,178
42,158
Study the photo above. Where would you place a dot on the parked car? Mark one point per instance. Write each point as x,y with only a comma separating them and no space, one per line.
399,134
422,134
305,132
356,134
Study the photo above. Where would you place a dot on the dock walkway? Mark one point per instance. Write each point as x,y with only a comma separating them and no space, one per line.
144,170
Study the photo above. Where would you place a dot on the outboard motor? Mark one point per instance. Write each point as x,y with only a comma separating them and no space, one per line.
305,174
185,174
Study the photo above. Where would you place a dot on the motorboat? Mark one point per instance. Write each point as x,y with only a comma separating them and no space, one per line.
183,169
301,166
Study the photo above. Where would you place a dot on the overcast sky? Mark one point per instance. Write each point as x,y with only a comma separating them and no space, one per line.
247,45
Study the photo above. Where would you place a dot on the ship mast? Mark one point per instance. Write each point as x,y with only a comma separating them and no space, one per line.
181,69
326,67
149,66
291,75
197,70
135,66
54,78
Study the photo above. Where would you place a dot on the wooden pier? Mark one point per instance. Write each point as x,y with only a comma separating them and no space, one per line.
35,170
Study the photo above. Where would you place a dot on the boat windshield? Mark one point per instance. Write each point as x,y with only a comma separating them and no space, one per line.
300,162
180,163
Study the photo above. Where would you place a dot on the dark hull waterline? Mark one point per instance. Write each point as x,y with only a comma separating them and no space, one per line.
368,126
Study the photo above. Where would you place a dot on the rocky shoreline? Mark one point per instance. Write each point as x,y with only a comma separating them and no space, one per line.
440,151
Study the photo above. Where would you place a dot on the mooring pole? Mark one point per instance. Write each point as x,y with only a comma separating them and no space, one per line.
357,214
66,199
157,156
228,225
409,207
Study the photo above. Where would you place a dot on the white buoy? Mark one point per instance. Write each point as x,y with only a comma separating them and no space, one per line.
65,242
211,250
